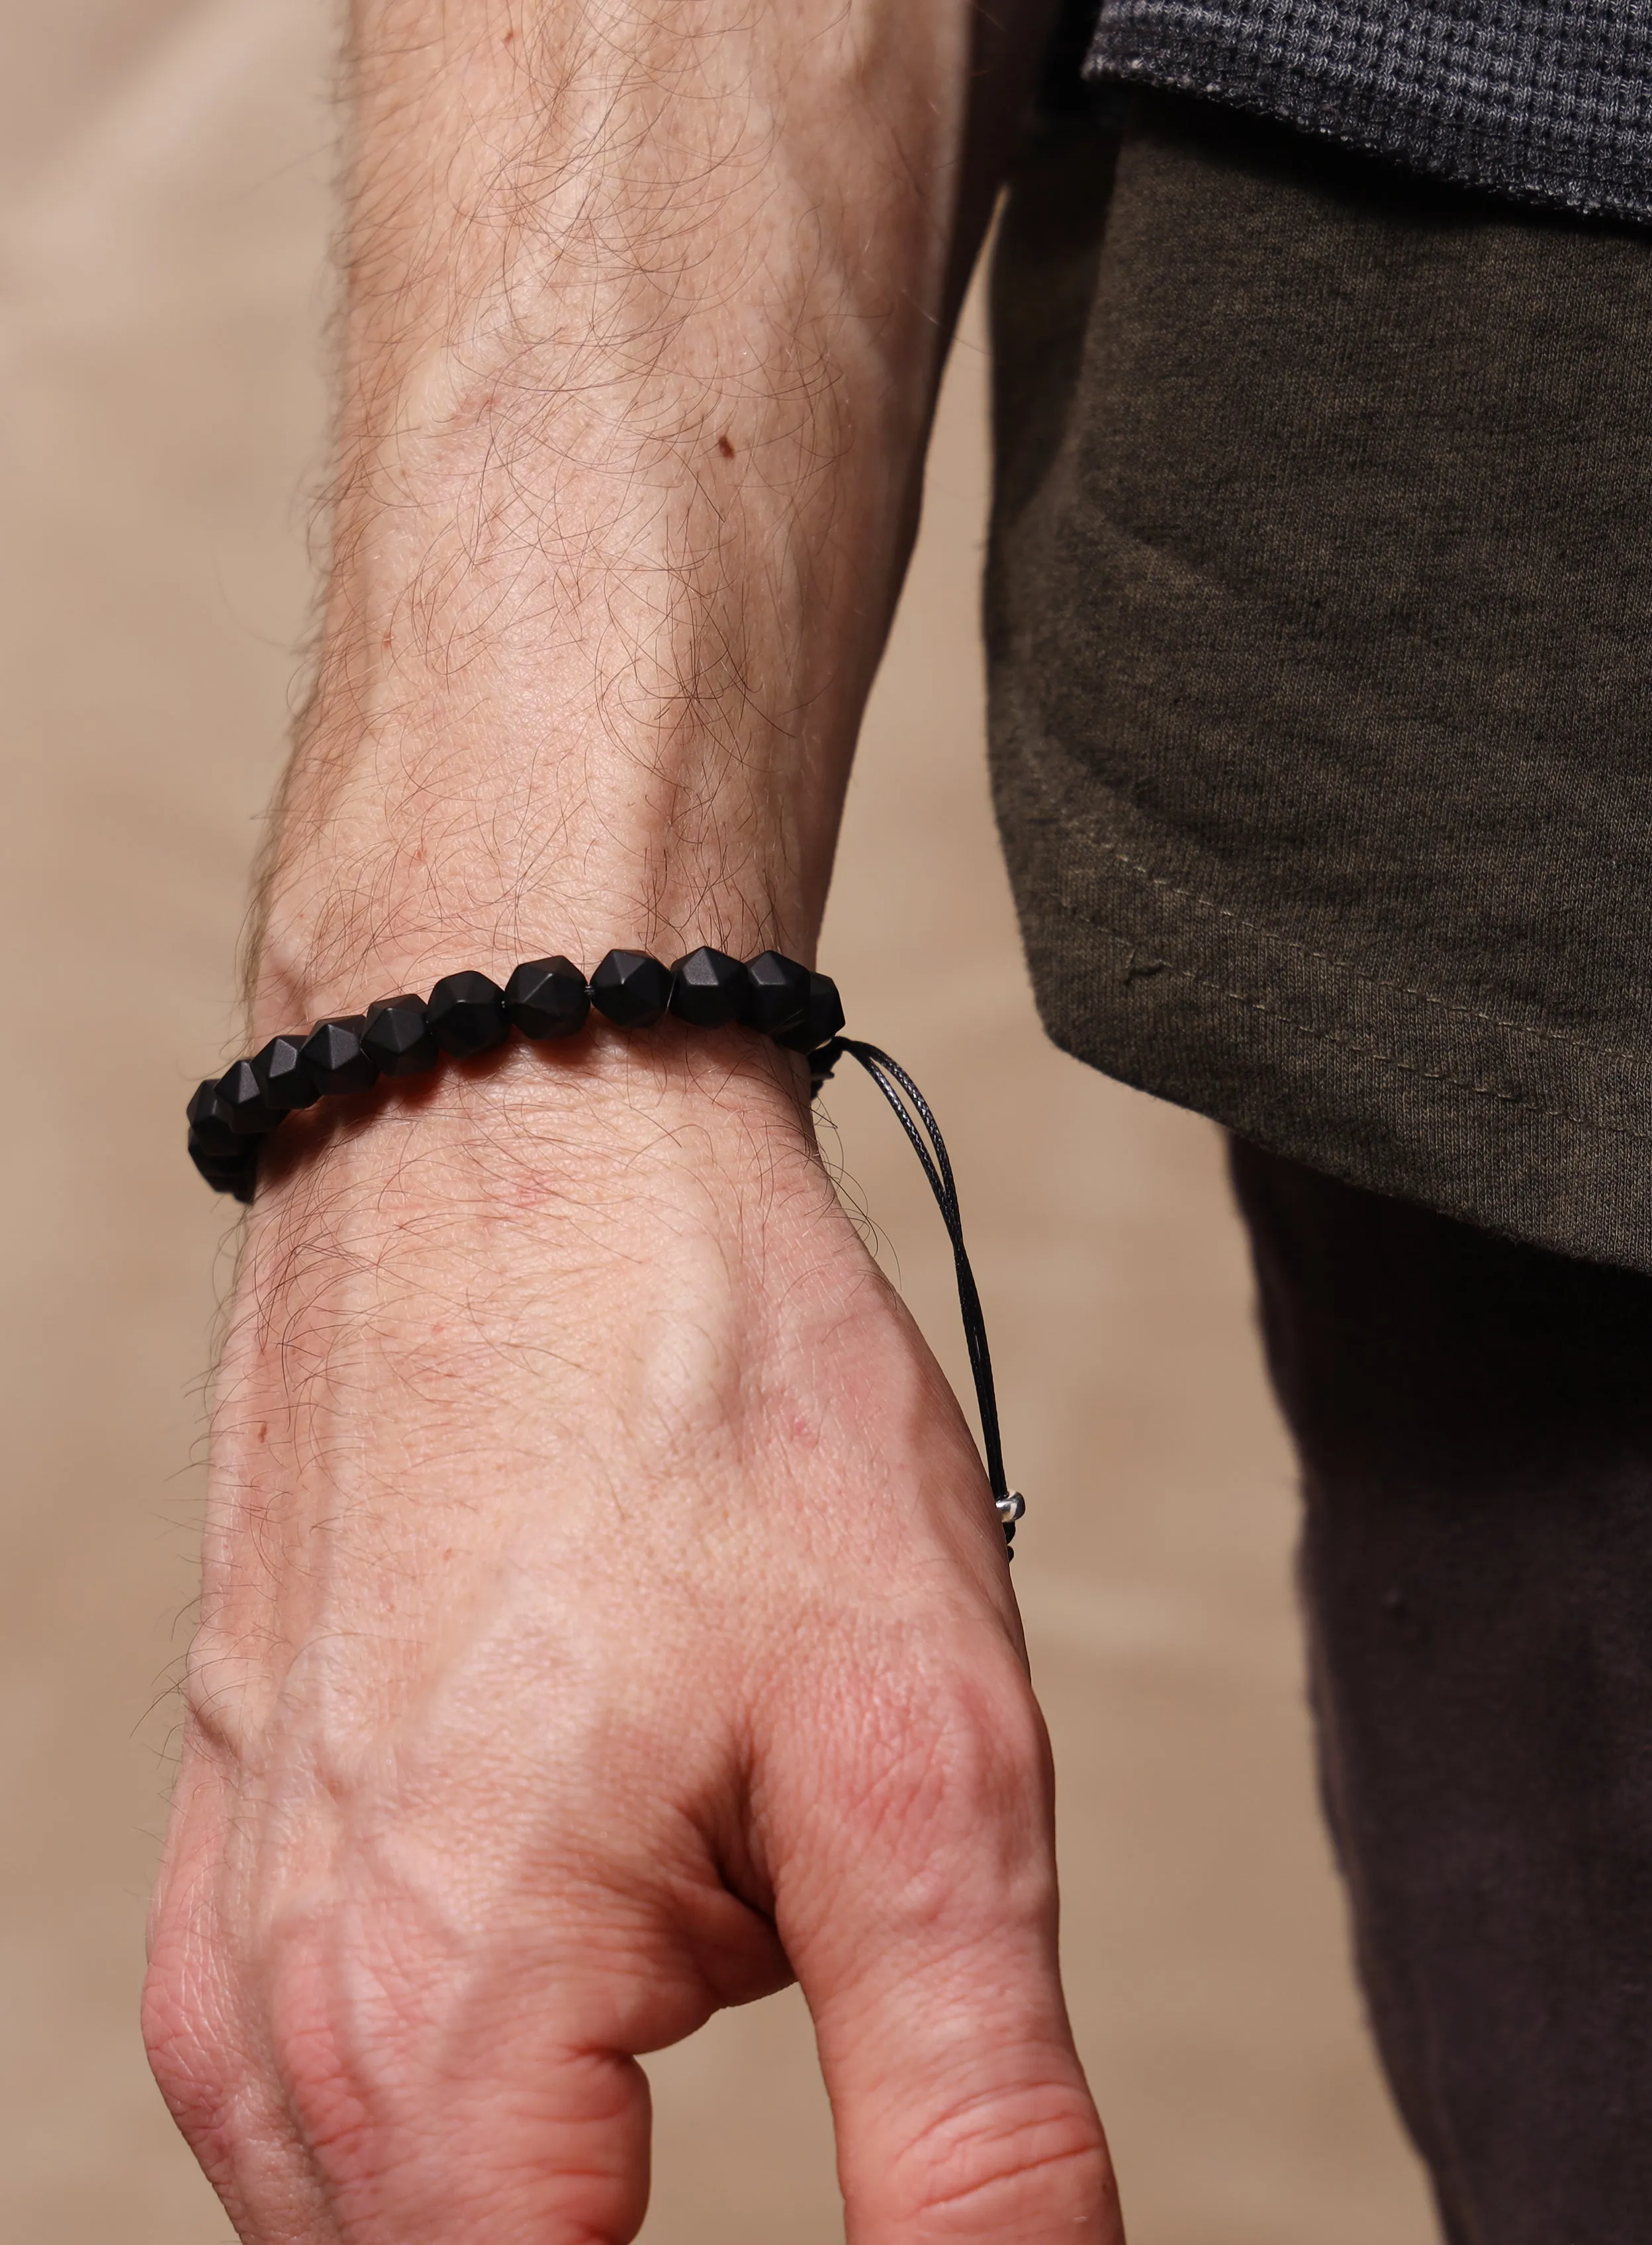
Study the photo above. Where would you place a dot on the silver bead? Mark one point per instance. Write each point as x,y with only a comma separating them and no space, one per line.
1012,1507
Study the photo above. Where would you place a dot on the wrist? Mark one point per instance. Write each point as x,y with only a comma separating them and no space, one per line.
353,910
368,919
308,1066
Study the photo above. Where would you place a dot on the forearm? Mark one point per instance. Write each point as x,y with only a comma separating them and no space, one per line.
645,313
643,326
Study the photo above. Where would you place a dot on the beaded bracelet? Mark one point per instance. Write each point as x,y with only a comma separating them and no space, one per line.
232,1116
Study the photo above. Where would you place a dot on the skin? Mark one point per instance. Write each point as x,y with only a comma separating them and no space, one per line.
604,1618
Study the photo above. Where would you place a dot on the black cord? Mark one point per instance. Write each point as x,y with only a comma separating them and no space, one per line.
913,1112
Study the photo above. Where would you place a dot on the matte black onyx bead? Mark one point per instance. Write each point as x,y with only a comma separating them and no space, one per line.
466,1014
630,988
334,1055
548,998
285,1081
241,1096
234,1173
823,1017
777,994
210,1126
397,1037
708,988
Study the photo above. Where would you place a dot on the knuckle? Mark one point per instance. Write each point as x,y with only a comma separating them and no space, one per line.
958,1779
993,2165
341,2016
327,2099
190,2057
931,1839
225,2070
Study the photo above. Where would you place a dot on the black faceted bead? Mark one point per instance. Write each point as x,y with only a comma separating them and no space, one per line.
397,1037
707,989
777,995
241,1096
210,1126
548,998
823,1017
283,1079
630,988
234,1173
334,1055
466,1014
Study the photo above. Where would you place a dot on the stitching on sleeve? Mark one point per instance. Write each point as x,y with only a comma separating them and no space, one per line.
1375,981
1363,1049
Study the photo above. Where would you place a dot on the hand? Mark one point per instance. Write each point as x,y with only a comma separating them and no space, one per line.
604,1620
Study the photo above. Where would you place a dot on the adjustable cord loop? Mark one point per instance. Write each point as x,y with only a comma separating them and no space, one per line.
916,1117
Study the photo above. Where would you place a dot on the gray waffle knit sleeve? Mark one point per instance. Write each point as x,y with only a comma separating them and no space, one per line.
1549,100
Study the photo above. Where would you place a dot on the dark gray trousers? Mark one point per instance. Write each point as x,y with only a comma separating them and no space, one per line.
1475,1422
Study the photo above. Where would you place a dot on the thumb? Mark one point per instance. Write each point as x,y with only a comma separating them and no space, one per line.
924,1933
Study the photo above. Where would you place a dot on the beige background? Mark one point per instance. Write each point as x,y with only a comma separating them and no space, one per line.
164,172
